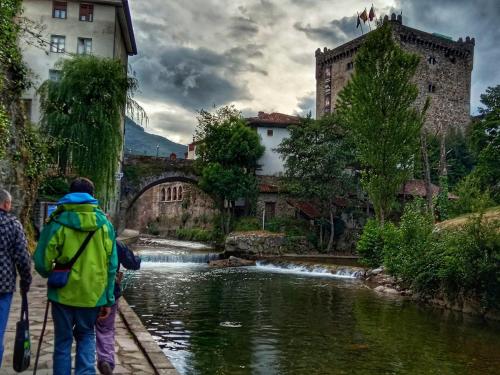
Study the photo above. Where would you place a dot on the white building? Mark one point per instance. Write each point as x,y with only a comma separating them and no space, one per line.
103,28
272,128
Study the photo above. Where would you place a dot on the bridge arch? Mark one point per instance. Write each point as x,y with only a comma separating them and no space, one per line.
152,172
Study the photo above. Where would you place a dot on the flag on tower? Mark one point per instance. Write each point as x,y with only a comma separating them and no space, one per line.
364,16
371,16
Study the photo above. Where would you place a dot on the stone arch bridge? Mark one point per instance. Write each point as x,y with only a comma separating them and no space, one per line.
141,173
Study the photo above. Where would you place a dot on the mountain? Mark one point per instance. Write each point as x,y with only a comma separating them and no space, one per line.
138,142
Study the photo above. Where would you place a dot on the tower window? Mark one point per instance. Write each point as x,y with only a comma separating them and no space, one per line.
270,132
431,60
59,9
431,87
350,65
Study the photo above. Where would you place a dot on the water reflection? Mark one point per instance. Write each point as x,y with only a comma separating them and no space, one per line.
247,321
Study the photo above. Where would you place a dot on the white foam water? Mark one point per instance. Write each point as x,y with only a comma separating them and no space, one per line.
317,271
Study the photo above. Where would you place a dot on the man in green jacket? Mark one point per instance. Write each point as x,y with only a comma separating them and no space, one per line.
88,293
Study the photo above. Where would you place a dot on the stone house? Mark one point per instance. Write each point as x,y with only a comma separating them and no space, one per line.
172,205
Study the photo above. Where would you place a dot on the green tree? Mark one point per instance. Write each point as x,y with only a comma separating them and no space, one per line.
316,158
83,112
227,157
378,108
484,142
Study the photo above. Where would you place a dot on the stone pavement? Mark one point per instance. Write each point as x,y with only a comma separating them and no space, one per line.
136,351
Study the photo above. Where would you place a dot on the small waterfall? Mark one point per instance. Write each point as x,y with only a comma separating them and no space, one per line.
162,257
340,272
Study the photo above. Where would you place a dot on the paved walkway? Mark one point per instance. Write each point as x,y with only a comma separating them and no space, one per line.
130,358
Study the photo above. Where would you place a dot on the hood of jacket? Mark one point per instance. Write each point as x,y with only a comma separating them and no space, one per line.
79,211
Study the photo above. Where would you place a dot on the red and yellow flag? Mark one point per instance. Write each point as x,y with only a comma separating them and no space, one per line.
364,16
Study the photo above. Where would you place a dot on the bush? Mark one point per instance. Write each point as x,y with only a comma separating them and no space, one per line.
471,261
459,262
470,196
290,226
370,246
408,254
247,223
196,234
153,228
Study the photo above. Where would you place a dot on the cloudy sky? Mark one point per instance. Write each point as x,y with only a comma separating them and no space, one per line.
259,54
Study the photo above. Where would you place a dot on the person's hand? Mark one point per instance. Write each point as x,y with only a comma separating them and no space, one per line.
104,313
24,286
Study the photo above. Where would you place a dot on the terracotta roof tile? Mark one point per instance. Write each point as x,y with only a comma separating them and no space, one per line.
274,118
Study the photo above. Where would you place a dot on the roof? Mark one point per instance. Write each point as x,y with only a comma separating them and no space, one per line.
125,20
307,208
268,188
275,119
129,37
417,188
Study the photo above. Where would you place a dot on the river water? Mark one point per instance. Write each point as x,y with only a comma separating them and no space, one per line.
267,320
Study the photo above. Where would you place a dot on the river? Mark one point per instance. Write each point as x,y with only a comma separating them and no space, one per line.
267,320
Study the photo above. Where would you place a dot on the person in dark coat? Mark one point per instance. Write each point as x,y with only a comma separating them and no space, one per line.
105,328
13,254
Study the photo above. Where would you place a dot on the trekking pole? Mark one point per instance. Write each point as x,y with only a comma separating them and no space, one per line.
41,336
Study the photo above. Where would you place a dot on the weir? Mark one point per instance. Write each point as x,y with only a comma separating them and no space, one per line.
177,257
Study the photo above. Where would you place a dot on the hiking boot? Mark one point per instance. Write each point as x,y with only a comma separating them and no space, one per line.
105,368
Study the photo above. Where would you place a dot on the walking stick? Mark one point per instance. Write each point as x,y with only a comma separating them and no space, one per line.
41,336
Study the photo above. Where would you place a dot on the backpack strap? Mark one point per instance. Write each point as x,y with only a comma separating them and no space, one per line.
70,264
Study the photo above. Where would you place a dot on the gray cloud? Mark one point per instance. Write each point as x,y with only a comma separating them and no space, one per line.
260,53
306,104
334,33
196,78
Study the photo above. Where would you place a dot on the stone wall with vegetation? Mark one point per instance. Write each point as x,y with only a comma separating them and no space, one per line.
251,245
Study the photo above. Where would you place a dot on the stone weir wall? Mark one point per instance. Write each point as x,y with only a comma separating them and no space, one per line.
443,74
252,245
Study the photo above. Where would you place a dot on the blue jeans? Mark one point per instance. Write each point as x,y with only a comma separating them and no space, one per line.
5,300
78,322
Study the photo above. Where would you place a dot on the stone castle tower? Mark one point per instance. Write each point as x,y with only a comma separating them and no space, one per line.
444,74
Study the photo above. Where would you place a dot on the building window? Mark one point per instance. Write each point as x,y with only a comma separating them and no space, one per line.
350,65
84,46
59,9
328,72
179,193
54,75
431,60
174,193
27,105
270,132
169,194
431,87
57,43
163,195
270,210
86,12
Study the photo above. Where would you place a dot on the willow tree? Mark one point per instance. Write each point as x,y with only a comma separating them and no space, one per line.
378,106
83,112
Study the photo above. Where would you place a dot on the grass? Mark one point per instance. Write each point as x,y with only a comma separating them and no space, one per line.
491,214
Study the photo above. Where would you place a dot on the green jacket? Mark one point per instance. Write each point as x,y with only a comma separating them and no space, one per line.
92,278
